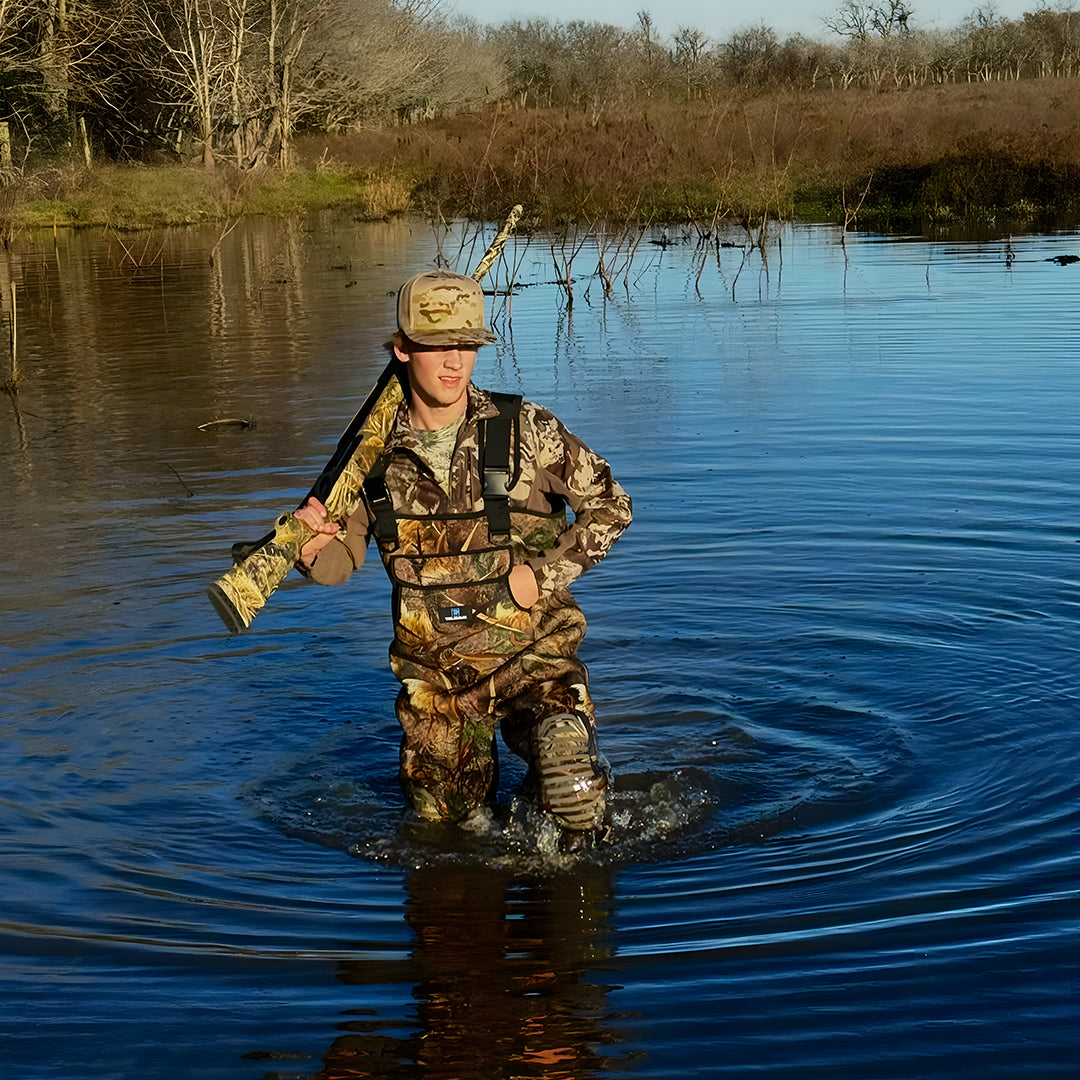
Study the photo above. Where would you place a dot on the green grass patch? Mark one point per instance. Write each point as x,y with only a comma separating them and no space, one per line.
124,197
140,197
278,194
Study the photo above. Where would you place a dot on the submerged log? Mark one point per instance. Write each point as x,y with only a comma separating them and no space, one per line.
234,421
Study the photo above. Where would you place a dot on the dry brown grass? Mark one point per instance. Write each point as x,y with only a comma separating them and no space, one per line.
954,153
970,145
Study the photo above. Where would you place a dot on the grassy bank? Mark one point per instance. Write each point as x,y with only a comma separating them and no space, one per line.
133,197
975,154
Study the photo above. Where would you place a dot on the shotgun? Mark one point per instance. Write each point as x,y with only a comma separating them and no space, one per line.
259,567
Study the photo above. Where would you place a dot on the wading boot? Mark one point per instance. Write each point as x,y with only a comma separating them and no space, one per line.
569,778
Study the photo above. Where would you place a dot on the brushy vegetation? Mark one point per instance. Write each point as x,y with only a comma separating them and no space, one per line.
935,154
921,157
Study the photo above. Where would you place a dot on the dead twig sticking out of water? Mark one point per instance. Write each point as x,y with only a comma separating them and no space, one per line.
570,249
440,230
852,213
505,310
615,254
11,383
180,478
599,232
137,261
712,231
24,442
601,269
772,184
215,251
735,280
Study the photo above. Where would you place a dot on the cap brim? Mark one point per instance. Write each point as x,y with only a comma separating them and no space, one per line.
454,337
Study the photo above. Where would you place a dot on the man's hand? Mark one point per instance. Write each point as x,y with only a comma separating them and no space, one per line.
313,514
523,586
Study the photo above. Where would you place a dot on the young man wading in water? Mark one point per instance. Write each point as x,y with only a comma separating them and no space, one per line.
467,507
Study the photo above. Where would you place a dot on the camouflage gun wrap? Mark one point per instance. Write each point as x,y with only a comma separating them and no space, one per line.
260,567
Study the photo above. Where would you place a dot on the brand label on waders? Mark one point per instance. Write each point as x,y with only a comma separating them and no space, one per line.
456,614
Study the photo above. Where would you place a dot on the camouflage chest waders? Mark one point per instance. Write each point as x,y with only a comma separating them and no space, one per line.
467,656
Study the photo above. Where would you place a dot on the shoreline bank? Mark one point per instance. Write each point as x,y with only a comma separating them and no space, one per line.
1000,156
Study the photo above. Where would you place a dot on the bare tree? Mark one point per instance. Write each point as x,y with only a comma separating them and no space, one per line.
861,21
750,55
527,49
891,18
290,23
192,39
238,28
381,60
16,54
1052,39
650,53
852,20
471,74
592,64
231,66
51,63
691,47
981,32
54,58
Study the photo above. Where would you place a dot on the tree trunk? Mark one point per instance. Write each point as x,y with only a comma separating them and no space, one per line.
54,63
7,173
285,118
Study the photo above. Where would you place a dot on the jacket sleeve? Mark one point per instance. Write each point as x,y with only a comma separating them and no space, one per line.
344,554
563,465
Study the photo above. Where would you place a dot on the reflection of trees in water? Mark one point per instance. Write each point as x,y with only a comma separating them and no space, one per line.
501,968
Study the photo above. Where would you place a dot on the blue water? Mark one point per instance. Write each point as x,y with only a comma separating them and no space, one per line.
834,659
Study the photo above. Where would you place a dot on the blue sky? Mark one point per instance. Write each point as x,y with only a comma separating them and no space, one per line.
718,20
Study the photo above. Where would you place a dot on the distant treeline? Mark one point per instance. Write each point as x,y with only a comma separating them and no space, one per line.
236,80
869,45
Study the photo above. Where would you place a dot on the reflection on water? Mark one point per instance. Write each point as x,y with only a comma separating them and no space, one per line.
504,983
834,661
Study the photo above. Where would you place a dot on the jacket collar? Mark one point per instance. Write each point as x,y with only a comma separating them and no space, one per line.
480,407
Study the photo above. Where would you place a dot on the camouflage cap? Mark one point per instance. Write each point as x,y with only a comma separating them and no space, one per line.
440,308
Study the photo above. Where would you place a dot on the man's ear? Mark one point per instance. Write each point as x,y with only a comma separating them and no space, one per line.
399,350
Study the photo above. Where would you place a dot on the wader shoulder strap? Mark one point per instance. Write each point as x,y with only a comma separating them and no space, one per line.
498,475
497,436
384,520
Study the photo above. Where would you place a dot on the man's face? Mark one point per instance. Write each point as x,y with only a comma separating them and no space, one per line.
438,374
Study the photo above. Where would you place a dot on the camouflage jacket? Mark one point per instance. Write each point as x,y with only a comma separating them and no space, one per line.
452,605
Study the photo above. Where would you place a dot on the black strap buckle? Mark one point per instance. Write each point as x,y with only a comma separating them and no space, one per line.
498,475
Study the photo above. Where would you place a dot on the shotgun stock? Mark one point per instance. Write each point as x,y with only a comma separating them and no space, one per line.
261,566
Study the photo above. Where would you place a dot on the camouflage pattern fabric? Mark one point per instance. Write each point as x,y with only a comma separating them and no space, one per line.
468,657
240,593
